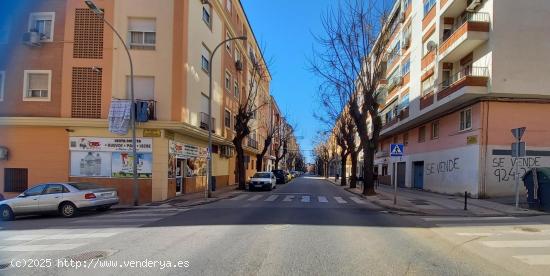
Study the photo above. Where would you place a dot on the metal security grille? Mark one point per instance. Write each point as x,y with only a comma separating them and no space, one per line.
86,93
88,35
15,180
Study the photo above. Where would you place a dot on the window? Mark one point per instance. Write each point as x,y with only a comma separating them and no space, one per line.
236,90
43,24
37,85
428,85
36,190
227,81
142,33
54,189
435,130
405,138
206,15
205,59
421,134
406,67
227,118
228,5
144,88
428,4
237,55
394,53
404,102
228,43
2,82
466,119
15,180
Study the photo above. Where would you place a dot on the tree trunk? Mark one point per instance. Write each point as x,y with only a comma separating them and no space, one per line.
368,164
259,162
241,172
353,177
343,169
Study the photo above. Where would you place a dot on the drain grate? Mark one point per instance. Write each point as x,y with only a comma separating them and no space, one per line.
91,255
528,229
4,266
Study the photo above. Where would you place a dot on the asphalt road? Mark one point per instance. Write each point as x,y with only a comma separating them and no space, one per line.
306,227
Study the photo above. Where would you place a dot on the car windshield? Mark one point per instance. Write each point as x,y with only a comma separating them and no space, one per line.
261,175
85,186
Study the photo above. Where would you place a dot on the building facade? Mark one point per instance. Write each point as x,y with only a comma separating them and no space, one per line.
59,82
460,75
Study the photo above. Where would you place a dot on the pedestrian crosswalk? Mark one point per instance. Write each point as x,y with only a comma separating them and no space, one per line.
298,198
515,237
69,234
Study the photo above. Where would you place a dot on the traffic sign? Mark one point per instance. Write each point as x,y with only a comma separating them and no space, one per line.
396,150
518,132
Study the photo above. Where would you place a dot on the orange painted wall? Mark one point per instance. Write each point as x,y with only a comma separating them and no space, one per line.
44,151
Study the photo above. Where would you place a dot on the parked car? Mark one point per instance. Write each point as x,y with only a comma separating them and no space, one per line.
65,199
263,180
280,176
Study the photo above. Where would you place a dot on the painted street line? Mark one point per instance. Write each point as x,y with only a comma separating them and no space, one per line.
305,198
288,198
271,198
357,200
478,234
467,218
254,198
121,220
60,236
534,259
239,197
340,200
322,199
42,247
517,244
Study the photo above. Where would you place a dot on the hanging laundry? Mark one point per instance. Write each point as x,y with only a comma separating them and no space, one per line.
119,116
142,111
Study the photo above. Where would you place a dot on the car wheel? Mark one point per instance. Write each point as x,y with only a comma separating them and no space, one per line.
6,213
67,210
103,208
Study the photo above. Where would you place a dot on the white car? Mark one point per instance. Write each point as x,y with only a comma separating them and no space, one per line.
263,180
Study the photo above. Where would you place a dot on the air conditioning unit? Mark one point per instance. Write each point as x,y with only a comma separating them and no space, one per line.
32,39
472,5
239,65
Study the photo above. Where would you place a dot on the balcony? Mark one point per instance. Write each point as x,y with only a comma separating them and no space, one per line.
473,29
204,122
252,143
471,76
390,123
146,110
427,60
404,113
426,100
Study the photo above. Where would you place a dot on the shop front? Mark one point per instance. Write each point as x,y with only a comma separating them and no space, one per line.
187,164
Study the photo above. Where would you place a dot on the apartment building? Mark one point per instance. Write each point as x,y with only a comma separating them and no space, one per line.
460,75
60,80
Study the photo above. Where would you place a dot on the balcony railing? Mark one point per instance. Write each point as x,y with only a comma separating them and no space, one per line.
461,26
470,76
204,122
252,143
146,110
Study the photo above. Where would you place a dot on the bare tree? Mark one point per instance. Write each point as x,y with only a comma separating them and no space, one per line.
271,129
249,104
354,42
283,136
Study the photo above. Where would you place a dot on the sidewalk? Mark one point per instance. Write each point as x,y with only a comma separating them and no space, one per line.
426,203
187,200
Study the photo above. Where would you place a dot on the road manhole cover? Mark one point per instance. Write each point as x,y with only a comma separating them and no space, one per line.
4,266
91,255
277,227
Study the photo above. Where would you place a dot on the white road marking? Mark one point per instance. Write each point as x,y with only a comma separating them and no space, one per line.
254,198
271,198
288,198
305,199
340,200
357,200
137,215
467,218
534,259
517,244
478,234
121,220
239,197
60,236
43,247
322,199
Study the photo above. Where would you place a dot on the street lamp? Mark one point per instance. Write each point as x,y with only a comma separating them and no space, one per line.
208,192
99,13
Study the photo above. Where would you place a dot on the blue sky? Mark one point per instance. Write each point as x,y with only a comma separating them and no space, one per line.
284,28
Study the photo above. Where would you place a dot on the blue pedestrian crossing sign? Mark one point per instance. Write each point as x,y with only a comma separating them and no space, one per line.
396,150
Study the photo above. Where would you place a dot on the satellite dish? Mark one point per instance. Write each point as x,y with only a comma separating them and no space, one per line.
431,46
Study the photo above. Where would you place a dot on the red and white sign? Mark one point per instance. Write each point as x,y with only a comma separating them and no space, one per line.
109,144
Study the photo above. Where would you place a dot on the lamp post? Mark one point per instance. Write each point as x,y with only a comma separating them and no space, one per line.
208,191
99,13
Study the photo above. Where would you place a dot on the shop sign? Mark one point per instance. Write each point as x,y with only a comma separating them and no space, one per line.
471,140
109,144
186,151
149,132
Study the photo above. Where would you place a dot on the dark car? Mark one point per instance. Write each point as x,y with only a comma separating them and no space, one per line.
280,175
